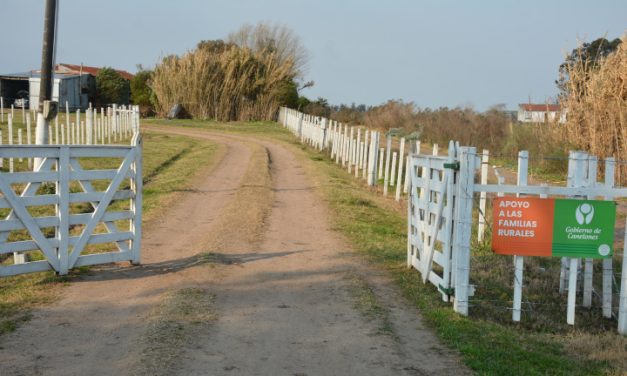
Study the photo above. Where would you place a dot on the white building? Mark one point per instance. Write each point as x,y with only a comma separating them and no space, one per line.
540,113
71,88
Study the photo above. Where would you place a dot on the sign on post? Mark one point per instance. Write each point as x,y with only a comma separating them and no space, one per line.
553,227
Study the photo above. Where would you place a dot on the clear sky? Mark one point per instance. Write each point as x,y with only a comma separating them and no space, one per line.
432,52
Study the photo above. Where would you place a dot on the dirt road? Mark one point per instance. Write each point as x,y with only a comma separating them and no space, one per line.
242,276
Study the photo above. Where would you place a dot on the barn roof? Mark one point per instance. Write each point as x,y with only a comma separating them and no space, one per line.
77,69
540,107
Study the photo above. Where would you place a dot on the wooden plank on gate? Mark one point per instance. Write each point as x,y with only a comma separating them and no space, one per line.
103,258
434,230
16,224
23,215
23,245
99,196
30,177
40,200
29,267
100,210
88,188
29,190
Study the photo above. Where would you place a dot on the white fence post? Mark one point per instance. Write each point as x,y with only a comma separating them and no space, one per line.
608,268
372,159
56,130
364,162
381,160
29,139
622,302
579,176
401,159
463,229
90,126
564,260
485,157
523,169
588,263
10,138
19,141
393,169
136,203
63,209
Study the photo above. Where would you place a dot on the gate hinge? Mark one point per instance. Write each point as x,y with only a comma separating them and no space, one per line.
452,166
448,291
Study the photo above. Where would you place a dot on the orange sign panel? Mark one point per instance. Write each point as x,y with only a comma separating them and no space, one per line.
523,226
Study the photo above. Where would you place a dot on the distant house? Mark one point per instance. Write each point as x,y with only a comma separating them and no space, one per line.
540,113
74,84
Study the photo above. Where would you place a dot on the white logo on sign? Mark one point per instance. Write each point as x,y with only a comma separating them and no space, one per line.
584,214
604,249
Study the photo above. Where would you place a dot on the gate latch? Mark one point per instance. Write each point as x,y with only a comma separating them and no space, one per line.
452,166
448,291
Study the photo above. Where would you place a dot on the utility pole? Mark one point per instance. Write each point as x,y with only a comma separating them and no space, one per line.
47,109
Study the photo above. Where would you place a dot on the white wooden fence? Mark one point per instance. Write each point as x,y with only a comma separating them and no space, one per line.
46,207
356,148
441,200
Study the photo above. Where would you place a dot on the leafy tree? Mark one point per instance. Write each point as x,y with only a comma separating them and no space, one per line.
303,102
588,56
111,87
287,94
141,93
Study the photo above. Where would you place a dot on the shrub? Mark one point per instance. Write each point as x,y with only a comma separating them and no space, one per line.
111,87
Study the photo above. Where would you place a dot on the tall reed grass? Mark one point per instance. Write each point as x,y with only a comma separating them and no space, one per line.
597,107
226,81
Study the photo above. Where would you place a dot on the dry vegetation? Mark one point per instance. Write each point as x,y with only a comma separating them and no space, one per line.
597,107
240,79
484,130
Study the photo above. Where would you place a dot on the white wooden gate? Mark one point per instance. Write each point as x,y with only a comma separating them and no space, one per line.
438,243
59,211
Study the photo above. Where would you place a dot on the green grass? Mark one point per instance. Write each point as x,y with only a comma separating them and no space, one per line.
169,163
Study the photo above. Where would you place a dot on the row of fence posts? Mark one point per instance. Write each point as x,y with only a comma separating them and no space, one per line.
357,149
91,127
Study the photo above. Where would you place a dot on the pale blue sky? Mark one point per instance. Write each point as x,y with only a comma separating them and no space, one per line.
435,53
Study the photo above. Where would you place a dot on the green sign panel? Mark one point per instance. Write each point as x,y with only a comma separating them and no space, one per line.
583,228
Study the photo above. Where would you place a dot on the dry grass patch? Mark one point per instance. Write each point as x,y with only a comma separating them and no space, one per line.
170,325
245,216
